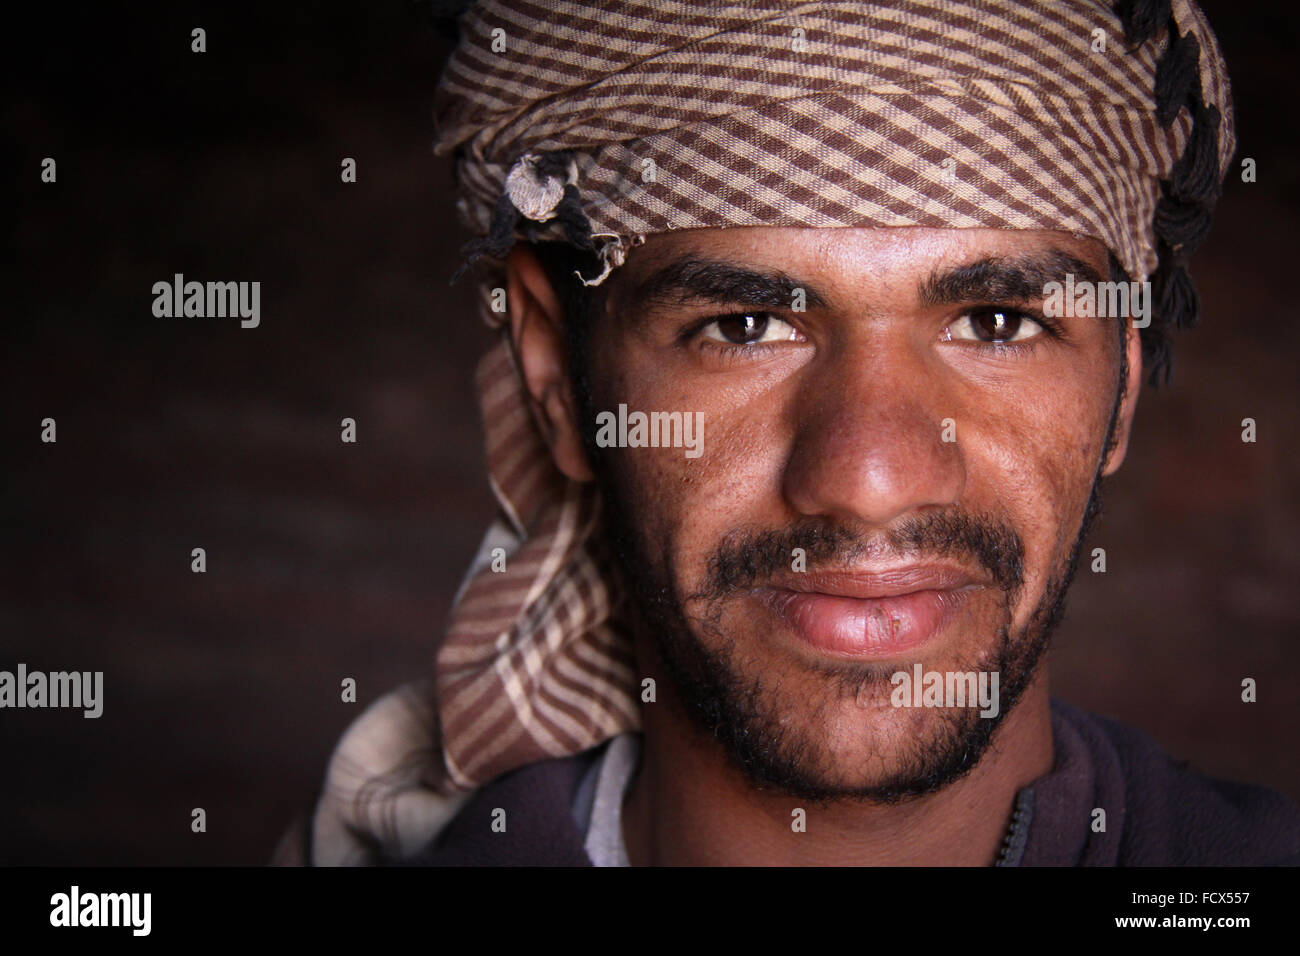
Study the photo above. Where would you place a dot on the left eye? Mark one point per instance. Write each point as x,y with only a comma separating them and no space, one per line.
993,325
750,328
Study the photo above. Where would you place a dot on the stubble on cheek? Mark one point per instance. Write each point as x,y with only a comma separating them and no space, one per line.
1041,460
821,728
675,507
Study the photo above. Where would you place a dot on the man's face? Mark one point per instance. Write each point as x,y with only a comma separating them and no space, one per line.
896,475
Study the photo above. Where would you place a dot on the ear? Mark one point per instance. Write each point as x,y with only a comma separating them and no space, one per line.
537,328
1124,423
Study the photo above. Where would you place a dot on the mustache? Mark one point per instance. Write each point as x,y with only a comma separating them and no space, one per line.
745,557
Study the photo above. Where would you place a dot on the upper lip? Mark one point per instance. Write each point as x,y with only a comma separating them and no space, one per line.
868,584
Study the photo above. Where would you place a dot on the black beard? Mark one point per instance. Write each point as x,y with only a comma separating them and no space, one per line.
730,708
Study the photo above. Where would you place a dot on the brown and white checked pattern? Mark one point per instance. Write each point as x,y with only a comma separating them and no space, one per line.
513,684
1036,129
743,129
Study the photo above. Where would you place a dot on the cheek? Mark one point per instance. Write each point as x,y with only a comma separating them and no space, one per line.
683,506
1034,462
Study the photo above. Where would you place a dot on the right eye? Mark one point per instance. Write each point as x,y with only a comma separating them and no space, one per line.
750,328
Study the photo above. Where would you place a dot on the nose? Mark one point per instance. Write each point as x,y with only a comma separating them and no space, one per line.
869,444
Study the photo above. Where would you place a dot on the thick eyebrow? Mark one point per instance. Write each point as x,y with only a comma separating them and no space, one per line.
692,277
989,279
1003,278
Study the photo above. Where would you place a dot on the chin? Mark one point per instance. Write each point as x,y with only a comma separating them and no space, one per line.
826,730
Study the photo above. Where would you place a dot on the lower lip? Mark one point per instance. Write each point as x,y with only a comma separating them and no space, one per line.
866,628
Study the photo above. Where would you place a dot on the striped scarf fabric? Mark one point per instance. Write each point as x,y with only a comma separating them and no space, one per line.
659,115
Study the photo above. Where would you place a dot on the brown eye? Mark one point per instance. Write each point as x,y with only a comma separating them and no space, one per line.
743,329
750,328
993,326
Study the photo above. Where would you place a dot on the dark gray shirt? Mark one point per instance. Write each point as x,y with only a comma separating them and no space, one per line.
1158,811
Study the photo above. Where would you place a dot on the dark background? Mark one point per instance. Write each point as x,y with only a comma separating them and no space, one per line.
328,560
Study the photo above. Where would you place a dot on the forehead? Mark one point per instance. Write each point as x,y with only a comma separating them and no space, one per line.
884,256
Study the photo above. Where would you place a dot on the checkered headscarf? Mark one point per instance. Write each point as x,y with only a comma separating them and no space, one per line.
600,123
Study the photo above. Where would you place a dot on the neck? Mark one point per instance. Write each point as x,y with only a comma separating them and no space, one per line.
688,806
